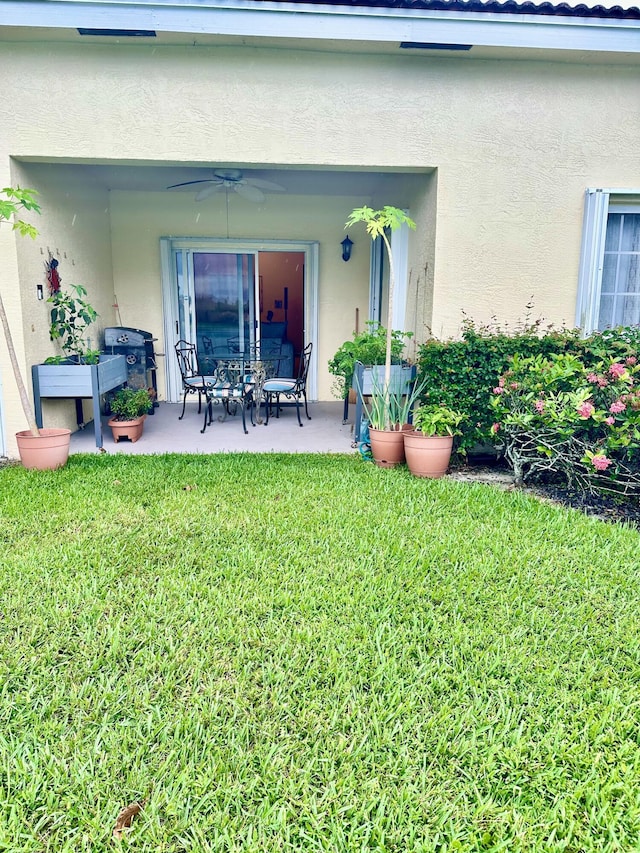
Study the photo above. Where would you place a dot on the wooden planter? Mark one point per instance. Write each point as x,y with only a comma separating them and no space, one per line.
77,381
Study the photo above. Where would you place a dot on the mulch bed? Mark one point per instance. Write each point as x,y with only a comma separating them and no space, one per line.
605,507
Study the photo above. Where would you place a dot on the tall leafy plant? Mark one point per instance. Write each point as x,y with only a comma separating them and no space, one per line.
71,316
12,201
378,224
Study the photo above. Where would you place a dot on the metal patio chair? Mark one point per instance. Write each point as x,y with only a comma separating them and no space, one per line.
294,389
193,380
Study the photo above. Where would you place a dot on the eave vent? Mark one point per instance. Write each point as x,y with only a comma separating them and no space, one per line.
432,45
139,34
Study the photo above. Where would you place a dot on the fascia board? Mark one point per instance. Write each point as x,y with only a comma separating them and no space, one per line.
364,24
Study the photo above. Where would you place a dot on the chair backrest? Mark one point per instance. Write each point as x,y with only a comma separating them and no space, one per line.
187,359
303,369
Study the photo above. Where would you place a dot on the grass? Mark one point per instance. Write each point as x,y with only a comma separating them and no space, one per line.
307,653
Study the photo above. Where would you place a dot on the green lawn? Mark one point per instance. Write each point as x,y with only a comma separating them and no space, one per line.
308,653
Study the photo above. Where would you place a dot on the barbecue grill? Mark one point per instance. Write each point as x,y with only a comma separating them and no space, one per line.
137,347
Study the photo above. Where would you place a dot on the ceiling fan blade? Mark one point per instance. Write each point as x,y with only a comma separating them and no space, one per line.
248,192
207,191
265,185
188,183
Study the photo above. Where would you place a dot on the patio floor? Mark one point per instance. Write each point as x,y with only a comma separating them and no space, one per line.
164,433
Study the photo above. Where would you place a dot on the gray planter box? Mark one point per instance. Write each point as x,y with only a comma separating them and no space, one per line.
78,381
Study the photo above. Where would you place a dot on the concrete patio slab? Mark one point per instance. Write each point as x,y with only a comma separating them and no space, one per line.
164,433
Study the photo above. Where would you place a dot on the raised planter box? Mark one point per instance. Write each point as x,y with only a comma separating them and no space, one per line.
78,381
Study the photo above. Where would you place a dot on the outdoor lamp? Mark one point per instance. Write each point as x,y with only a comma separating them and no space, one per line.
346,248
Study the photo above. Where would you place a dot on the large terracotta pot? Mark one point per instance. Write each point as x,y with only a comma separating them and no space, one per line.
427,455
387,446
127,429
44,452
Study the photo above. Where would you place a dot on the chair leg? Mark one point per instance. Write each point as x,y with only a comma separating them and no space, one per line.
184,405
298,409
244,424
208,410
306,410
267,407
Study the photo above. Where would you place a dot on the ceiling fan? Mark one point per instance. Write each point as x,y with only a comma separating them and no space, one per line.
227,179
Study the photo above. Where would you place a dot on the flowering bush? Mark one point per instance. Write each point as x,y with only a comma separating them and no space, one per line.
558,416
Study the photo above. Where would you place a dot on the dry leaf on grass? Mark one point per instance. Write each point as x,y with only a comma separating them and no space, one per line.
123,821
189,488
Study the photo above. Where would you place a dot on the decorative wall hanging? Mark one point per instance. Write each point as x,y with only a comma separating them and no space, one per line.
53,277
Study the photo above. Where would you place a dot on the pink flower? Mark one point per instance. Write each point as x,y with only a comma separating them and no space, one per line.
513,386
617,370
539,406
602,381
631,360
495,428
592,377
498,390
610,420
600,462
501,382
617,407
585,410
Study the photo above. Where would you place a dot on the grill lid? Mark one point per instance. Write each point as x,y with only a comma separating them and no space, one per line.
125,337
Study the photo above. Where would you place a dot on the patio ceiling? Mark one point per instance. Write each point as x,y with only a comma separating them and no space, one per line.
153,177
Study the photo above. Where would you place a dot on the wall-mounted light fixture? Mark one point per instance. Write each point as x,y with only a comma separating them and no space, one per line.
346,248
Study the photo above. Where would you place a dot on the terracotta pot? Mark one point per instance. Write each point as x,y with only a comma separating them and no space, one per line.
427,455
127,429
44,452
387,446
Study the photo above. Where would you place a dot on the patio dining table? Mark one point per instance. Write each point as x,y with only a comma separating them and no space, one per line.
235,369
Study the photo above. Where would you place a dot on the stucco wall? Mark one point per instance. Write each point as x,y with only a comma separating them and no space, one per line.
514,145
73,226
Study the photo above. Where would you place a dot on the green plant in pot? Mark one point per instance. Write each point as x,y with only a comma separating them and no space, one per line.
71,316
429,444
388,410
43,449
368,347
129,407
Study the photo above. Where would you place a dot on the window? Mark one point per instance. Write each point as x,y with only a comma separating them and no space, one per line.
620,290
609,283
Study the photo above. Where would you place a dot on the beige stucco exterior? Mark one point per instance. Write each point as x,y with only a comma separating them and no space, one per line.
500,151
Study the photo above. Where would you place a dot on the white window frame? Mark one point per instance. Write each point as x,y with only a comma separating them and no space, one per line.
597,205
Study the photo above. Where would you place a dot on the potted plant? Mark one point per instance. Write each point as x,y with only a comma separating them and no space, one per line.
79,372
388,411
368,347
42,449
429,444
129,408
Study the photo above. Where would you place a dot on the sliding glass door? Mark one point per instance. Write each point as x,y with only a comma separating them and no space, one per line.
212,293
216,299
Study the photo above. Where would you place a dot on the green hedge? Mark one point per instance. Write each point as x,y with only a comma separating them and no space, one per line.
461,374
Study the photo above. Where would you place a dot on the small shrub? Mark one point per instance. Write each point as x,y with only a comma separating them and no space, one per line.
460,374
562,417
130,403
369,347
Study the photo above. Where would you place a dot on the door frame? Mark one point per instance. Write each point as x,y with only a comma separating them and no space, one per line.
173,382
